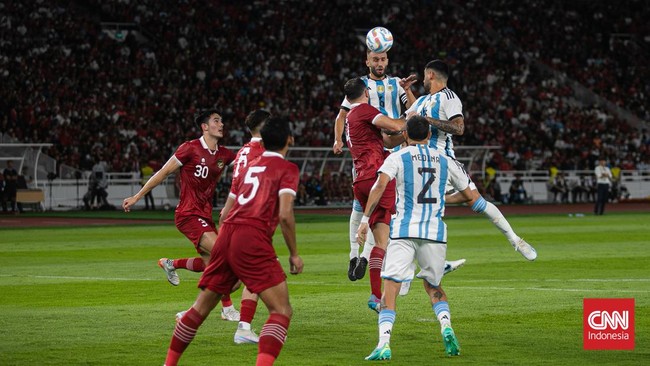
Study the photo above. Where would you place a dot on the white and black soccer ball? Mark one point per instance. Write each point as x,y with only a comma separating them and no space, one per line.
379,39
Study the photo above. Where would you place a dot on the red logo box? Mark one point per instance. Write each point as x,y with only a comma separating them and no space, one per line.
608,324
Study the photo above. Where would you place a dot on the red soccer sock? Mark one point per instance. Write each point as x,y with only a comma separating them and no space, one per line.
191,264
264,359
272,338
225,301
374,265
247,311
183,334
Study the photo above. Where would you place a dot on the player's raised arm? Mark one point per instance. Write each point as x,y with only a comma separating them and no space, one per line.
171,166
406,83
339,125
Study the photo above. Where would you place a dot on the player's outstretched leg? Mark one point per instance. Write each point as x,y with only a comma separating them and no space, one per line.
480,205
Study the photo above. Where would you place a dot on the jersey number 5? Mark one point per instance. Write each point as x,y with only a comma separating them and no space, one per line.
427,185
242,162
251,179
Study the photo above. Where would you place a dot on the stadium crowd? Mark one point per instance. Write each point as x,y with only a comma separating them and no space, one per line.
131,96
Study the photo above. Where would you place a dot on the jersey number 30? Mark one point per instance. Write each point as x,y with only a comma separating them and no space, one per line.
250,178
427,185
201,171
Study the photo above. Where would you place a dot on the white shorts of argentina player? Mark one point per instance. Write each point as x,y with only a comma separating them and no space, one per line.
430,256
450,189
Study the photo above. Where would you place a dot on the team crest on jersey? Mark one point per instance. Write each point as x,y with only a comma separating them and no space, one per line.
380,88
202,161
390,88
220,164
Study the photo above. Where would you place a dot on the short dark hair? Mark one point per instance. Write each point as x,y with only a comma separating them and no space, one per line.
354,88
417,127
204,117
438,66
256,118
275,133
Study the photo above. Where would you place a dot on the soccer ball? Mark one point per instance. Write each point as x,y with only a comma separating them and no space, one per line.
379,39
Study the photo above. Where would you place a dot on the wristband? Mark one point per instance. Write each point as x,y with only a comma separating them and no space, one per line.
364,219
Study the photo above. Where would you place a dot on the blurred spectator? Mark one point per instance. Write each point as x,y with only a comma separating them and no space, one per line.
517,191
603,179
301,196
559,187
10,178
97,185
3,199
146,172
22,182
493,189
581,190
315,190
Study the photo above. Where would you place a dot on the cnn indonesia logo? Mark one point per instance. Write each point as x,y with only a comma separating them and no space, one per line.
608,324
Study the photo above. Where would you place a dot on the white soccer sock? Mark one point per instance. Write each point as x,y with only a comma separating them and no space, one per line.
441,308
244,326
386,321
370,243
497,218
355,220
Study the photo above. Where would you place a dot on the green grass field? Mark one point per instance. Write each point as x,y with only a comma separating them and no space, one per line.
95,296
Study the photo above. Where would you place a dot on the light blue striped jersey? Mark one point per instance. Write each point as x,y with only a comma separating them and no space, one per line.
385,95
443,105
421,174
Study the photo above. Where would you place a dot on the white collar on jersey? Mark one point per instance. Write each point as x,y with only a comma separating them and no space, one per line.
272,153
205,146
256,139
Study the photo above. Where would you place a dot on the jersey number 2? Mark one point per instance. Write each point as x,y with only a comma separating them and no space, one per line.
427,185
251,179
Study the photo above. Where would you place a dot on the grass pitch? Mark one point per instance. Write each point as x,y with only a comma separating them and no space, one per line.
95,296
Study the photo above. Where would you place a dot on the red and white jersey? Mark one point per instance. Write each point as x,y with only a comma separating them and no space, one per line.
200,171
364,140
258,189
249,152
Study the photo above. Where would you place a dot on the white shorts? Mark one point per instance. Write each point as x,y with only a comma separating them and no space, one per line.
400,254
450,189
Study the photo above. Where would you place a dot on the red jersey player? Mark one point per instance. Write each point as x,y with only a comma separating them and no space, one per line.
244,250
248,153
200,162
366,143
